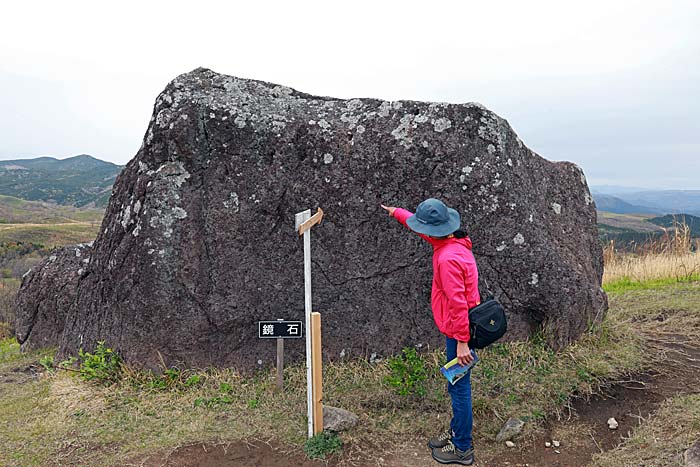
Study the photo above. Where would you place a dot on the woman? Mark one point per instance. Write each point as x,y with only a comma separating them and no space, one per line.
454,292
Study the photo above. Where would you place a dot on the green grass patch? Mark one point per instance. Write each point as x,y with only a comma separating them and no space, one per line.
49,235
626,283
408,373
322,445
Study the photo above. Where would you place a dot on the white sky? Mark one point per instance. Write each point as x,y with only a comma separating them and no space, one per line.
611,85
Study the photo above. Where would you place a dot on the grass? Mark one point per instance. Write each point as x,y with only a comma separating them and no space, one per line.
659,261
138,415
8,290
625,283
323,444
50,235
15,211
661,439
633,222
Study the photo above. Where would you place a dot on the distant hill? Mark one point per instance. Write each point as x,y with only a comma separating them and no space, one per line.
693,222
667,201
623,201
77,181
615,189
619,206
628,230
628,222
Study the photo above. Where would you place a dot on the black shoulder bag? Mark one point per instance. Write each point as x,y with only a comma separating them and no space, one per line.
487,323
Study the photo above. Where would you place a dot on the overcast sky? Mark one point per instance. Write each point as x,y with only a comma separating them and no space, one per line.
611,85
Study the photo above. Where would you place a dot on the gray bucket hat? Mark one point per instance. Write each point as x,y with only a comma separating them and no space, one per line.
434,218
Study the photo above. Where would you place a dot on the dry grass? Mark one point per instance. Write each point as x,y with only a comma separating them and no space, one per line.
675,255
8,291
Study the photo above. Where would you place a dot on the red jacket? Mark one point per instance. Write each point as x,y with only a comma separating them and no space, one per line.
455,282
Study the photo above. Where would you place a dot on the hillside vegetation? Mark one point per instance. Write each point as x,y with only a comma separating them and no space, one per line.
18,211
77,181
628,231
30,229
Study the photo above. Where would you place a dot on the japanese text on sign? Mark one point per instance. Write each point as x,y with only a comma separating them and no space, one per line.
280,329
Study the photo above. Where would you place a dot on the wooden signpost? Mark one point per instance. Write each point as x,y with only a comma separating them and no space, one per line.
280,330
314,390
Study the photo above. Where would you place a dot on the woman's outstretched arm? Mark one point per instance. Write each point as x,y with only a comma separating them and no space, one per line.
401,214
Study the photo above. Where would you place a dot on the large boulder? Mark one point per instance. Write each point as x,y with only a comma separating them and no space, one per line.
198,241
49,294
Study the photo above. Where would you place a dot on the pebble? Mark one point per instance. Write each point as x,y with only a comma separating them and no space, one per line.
612,423
547,444
556,444
510,444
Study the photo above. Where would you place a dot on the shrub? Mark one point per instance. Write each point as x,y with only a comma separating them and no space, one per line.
323,444
408,373
104,365
47,362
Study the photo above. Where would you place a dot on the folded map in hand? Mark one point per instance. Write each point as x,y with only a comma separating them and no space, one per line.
454,371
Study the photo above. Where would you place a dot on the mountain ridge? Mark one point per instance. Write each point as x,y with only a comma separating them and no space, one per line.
649,202
80,181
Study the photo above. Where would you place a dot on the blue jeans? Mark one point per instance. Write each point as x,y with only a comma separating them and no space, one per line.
461,395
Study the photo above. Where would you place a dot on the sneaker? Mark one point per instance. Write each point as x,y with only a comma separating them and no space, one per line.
441,440
451,455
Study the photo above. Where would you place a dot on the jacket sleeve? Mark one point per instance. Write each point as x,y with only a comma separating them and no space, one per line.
452,277
401,215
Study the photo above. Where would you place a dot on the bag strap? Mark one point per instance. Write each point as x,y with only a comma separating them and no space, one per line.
489,294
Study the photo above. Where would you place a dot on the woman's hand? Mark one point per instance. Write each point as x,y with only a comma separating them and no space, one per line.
389,209
464,355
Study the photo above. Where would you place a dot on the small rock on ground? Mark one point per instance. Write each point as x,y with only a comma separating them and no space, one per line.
510,444
510,430
336,419
612,423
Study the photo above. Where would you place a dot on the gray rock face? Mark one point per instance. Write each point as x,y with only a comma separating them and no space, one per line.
336,419
692,455
510,430
48,295
198,242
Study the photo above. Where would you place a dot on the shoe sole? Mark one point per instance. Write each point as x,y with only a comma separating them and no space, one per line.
464,462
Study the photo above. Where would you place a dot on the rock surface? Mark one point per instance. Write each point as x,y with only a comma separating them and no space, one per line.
198,242
692,455
510,430
337,419
49,295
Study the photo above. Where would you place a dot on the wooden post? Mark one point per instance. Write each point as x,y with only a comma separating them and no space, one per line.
316,368
303,222
280,363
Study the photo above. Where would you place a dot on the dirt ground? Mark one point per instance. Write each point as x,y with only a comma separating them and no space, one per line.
582,431
252,454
